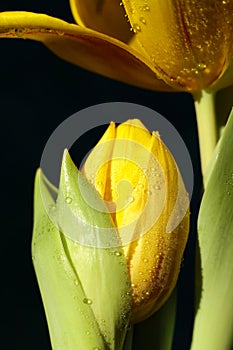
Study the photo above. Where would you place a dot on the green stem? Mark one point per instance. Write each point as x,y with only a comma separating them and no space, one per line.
129,339
207,126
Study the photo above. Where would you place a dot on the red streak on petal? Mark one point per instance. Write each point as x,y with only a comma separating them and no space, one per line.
183,24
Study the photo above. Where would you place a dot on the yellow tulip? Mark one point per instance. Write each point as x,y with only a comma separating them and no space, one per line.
138,178
167,45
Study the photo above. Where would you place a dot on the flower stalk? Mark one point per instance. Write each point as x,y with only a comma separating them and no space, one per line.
207,126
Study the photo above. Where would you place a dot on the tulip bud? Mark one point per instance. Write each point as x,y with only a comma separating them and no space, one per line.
138,178
109,254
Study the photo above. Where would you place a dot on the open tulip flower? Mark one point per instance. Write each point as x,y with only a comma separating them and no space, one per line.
168,45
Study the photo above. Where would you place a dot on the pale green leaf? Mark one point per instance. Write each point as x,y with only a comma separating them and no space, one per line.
96,254
213,328
71,322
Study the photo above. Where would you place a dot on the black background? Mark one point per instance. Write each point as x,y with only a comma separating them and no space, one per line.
37,92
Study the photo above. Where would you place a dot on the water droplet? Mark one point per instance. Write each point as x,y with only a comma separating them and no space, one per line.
131,199
149,192
96,348
201,66
145,8
19,32
62,258
121,3
136,28
145,260
87,301
195,71
117,253
59,32
152,57
142,19
52,207
76,282
48,30
68,200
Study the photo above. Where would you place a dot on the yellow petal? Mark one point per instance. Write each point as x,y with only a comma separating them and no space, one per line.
116,173
188,41
225,80
104,16
140,181
83,47
155,257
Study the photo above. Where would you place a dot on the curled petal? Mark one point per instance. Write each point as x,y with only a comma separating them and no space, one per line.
104,16
83,47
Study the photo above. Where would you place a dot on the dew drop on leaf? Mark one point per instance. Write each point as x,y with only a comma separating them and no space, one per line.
68,200
87,301
117,253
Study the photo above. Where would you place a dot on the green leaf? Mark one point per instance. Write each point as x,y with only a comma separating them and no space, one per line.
96,254
71,322
85,285
213,328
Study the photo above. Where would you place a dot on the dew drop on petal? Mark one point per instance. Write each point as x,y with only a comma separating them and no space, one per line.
145,8
201,66
19,32
142,19
131,199
136,28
